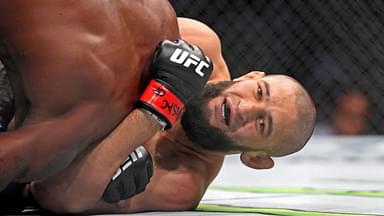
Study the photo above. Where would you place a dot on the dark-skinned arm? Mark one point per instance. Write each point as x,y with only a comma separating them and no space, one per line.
172,79
94,164
85,179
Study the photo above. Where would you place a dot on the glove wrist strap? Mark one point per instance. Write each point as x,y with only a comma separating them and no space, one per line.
165,104
164,124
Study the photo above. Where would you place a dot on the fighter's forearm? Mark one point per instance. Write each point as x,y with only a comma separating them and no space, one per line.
82,184
29,152
38,150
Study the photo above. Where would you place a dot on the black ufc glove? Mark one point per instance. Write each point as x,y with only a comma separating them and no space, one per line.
180,72
131,178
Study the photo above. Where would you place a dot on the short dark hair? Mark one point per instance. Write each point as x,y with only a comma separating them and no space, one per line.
305,119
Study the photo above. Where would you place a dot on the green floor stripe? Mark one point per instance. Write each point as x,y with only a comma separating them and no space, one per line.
298,190
273,211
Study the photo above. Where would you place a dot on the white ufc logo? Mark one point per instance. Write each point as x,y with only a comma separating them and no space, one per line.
183,57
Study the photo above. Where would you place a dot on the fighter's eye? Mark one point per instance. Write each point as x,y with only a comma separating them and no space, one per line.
261,125
259,92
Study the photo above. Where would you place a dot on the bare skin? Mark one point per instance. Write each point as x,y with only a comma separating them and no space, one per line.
182,173
76,79
182,169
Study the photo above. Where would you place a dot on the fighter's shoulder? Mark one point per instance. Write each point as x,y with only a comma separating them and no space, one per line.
196,25
191,28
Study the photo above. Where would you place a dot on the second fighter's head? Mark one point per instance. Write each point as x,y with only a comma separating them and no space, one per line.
260,116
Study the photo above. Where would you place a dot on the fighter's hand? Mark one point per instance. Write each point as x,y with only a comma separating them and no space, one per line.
180,71
131,177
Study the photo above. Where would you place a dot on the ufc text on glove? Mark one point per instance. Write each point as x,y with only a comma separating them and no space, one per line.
180,71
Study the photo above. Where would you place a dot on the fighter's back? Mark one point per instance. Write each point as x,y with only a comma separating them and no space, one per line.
80,64
69,51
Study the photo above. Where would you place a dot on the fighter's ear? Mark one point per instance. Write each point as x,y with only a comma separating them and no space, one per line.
257,160
251,75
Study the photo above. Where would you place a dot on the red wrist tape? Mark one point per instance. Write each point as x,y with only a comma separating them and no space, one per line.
162,100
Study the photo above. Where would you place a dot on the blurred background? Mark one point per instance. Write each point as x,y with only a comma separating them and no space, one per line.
334,48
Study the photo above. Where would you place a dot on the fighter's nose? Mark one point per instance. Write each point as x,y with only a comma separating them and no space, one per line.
251,110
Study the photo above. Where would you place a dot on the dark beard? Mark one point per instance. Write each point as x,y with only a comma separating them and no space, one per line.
195,121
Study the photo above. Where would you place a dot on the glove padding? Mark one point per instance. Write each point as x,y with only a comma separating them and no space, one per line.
182,67
131,178
180,71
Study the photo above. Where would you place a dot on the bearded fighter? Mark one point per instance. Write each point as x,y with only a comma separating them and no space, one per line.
255,115
81,68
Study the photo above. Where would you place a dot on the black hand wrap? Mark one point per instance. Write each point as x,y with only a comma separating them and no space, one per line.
180,71
131,178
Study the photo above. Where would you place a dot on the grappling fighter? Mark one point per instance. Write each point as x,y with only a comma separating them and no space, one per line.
78,68
256,115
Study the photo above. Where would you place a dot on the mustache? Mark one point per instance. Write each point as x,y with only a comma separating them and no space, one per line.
195,121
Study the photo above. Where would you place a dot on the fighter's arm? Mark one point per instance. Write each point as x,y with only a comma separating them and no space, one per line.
104,159
82,184
100,161
49,138
202,35
167,191
30,149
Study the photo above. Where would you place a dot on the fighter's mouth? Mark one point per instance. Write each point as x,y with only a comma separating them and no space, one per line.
226,112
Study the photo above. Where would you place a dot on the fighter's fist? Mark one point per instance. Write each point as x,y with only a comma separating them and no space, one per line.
131,177
181,66
180,71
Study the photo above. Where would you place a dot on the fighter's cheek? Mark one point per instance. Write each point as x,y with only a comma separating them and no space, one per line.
212,117
247,132
212,122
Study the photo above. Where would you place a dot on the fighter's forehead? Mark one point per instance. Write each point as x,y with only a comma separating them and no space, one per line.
277,87
286,90
273,79
277,78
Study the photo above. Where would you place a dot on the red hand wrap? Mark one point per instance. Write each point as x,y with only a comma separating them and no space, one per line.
163,100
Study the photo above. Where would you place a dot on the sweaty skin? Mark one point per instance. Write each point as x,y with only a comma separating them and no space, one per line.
77,68
182,170
264,120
